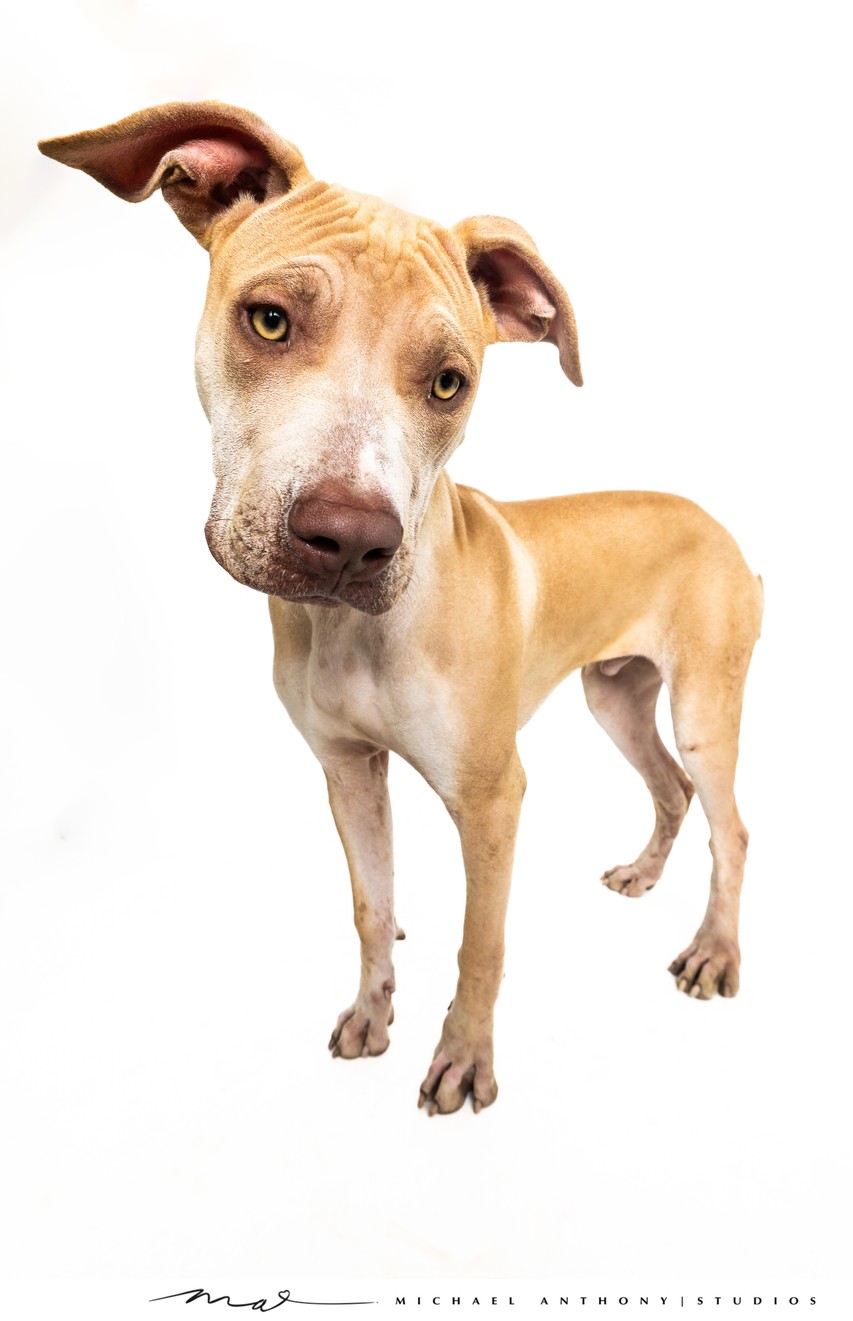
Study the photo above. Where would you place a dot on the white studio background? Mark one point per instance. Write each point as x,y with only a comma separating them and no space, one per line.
176,918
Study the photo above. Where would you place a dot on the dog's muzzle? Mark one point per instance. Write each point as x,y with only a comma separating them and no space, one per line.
321,549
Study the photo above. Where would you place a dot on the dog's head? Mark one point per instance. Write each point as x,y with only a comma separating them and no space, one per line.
340,347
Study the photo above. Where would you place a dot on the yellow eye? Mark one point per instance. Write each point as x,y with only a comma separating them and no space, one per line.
269,322
446,385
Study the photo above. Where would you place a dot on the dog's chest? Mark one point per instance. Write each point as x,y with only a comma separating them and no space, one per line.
347,691
355,687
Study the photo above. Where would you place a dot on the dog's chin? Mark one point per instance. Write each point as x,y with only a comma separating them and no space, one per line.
370,598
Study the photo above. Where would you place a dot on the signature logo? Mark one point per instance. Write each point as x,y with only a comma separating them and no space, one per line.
259,1304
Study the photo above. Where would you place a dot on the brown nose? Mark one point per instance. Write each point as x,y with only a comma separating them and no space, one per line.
331,537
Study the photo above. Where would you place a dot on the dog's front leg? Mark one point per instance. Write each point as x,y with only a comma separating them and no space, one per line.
358,794
487,820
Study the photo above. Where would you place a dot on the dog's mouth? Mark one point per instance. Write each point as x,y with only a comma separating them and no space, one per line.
373,597
330,601
279,573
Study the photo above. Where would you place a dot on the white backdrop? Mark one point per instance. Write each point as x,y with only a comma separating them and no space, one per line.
176,919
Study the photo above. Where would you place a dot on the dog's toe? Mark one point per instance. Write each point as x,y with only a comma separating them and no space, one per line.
444,1090
631,881
359,1033
708,967
461,1067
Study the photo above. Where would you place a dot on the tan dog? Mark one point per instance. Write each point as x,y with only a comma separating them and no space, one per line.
338,359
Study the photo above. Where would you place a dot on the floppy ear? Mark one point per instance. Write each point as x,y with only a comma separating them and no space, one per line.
203,154
524,297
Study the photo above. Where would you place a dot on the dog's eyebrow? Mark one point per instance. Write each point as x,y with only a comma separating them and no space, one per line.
438,337
303,276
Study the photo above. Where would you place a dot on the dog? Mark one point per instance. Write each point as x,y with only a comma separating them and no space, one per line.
337,360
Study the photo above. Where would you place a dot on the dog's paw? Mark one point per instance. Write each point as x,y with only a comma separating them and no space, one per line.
708,967
362,1029
462,1065
632,881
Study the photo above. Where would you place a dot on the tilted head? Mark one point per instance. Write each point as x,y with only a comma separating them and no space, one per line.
340,347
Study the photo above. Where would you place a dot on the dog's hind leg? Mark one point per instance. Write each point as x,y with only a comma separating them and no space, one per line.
358,795
706,706
623,702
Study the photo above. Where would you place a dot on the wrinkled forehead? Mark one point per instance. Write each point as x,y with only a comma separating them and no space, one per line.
360,246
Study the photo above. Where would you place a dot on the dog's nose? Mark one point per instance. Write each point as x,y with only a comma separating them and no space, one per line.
330,537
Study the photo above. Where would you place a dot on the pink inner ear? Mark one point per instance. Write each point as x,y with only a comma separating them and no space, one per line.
128,164
523,286
217,161
517,298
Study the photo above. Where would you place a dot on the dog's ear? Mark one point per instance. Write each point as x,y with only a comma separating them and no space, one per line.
204,155
525,299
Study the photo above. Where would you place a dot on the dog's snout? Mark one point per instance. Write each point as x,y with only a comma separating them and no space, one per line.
331,536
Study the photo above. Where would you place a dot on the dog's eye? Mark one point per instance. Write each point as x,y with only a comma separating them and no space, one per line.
446,385
269,322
